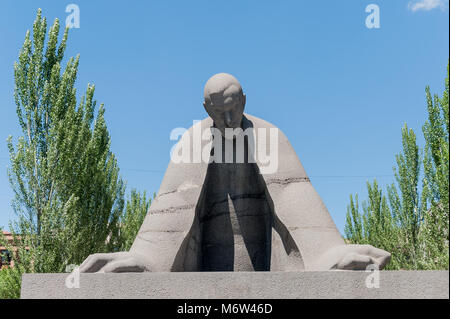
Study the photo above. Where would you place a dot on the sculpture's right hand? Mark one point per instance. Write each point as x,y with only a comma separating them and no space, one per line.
115,262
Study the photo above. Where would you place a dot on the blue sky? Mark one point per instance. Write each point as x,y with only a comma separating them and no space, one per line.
339,91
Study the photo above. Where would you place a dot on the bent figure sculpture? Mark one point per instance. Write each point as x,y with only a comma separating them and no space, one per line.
221,215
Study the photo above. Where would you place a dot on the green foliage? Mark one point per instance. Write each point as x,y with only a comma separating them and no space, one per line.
131,220
10,280
69,196
411,223
435,232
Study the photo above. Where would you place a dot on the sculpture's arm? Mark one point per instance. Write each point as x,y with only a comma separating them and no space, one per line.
165,241
321,246
116,262
352,257
152,250
299,207
157,245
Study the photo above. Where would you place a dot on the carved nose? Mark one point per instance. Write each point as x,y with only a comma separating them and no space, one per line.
228,119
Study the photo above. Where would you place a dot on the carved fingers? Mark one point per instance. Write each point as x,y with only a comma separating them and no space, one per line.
352,257
115,262
125,265
353,261
358,257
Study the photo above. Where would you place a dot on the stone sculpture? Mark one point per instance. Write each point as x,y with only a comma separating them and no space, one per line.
230,215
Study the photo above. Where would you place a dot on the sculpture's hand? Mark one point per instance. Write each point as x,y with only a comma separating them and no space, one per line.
116,262
353,257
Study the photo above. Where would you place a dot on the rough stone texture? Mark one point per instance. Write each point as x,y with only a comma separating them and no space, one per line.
271,285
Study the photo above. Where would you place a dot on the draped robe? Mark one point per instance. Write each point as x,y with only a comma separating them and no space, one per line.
229,216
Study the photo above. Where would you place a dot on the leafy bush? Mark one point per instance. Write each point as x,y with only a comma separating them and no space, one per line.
411,223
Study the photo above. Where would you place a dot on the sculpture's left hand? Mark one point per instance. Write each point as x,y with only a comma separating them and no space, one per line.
116,262
353,257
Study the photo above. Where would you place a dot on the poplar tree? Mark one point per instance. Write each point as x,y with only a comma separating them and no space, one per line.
405,201
412,222
68,195
435,232
131,220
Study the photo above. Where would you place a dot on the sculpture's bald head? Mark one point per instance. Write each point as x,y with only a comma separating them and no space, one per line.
224,101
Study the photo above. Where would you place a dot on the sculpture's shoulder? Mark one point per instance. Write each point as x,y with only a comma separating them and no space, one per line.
187,173
258,122
288,163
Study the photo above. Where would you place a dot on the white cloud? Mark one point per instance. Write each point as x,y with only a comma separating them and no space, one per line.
427,5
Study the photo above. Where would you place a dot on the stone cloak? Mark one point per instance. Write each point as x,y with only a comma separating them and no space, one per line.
302,231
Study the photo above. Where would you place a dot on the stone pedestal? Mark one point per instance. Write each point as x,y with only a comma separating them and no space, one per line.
271,285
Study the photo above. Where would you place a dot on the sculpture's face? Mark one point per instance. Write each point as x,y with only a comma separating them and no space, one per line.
226,109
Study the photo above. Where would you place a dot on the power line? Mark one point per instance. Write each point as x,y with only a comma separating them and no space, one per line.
155,171
312,176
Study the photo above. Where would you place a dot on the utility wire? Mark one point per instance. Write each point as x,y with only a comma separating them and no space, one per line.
313,176
142,170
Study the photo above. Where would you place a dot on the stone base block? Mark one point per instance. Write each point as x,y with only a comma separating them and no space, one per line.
237,285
